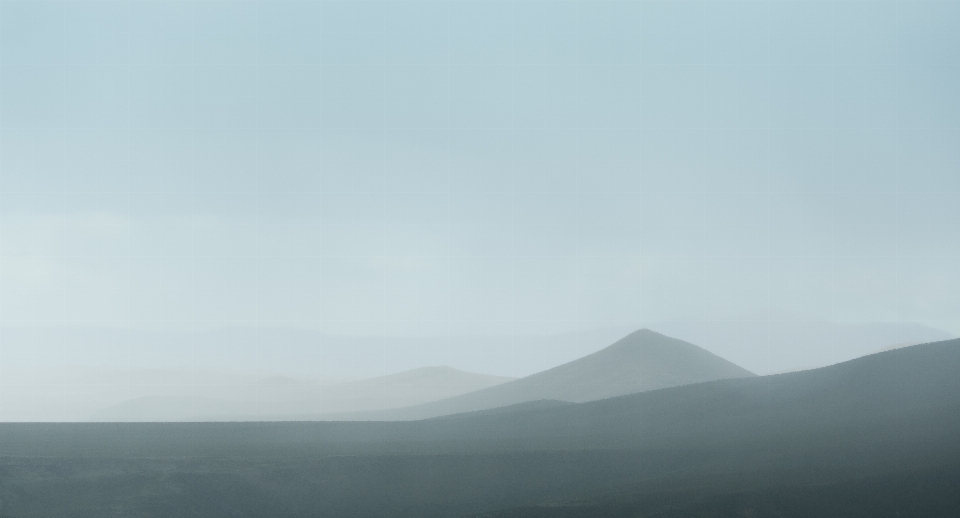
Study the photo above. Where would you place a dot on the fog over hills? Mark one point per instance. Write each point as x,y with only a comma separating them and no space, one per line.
396,390
67,373
770,344
448,258
297,353
72,393
643,360
887,414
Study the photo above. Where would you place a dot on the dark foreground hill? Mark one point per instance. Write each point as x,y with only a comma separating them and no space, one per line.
835,441
641,361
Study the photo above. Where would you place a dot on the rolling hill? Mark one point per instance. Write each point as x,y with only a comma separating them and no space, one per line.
875,436
775,343
641,361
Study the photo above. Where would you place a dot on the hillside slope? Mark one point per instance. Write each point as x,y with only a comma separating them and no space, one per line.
643,360
887,415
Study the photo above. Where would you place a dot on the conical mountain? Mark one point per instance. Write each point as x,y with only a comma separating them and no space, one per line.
641,361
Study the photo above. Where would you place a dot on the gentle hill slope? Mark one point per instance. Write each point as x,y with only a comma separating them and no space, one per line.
643,360
909,395
884,415
771,344
395,390
896,395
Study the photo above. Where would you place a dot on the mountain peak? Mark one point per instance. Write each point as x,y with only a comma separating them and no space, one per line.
663,360
641,361
639,337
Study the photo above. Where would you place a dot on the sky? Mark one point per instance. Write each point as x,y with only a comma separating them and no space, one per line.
478,167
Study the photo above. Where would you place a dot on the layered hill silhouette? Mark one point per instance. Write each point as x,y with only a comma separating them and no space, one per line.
41,380
908,396
396,390
641,361
801,444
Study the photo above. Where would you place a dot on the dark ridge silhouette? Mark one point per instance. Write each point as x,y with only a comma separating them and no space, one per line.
836,441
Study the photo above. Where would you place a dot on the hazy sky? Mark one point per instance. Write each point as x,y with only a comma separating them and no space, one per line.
468,167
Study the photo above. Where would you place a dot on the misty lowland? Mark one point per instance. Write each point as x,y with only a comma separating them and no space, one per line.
648,426
479,258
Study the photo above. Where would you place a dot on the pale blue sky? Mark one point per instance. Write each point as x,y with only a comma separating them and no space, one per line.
469,167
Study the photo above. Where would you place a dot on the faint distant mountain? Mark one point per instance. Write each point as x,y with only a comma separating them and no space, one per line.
297,353
396,390
643,360
278,397
72,393
800,444
66,373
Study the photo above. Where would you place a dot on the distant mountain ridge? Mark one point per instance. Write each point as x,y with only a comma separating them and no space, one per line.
395,390
641,361
887,414
67,373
